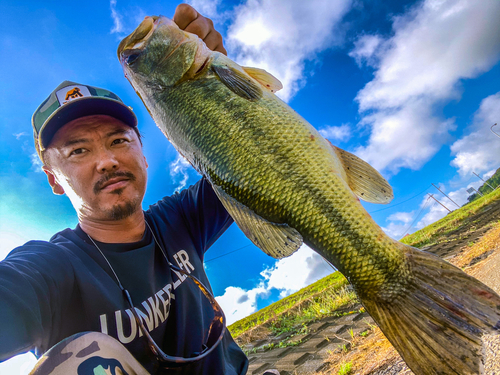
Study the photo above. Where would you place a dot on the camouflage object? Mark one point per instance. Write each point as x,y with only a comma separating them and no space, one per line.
285,185
71,100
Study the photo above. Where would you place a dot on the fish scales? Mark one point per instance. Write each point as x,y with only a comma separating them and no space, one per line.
259,178
283,183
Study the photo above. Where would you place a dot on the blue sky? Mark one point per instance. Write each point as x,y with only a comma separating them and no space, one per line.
409,86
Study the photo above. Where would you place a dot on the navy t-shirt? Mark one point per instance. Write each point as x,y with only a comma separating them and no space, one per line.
52,290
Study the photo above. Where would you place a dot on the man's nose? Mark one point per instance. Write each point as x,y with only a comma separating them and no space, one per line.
106,161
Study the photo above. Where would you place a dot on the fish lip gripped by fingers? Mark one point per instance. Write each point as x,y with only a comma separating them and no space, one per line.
134,45
135,42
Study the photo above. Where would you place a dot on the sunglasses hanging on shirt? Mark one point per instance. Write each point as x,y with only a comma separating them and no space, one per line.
213,336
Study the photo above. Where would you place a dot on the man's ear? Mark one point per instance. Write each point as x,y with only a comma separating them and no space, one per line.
56,188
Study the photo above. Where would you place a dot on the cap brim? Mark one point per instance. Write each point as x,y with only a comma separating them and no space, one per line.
84,107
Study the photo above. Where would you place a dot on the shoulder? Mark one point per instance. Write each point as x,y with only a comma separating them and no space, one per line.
43,255
184,200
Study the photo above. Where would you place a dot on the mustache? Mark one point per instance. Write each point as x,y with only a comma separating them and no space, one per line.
99,184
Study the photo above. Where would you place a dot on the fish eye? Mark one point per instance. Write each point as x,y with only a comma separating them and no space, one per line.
131,58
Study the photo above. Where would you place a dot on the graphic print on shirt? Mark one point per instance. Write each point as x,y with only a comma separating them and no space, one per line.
153,311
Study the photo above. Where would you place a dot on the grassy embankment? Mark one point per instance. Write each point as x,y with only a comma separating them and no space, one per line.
438,231
329,294
313,302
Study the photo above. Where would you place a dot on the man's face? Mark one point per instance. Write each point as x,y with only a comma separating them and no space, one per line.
97,161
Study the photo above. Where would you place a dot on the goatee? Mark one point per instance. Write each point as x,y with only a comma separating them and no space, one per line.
122,211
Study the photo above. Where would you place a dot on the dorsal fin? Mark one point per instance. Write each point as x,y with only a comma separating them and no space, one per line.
276,240
363,179
267,80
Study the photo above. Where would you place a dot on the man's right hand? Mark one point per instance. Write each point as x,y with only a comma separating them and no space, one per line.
188,19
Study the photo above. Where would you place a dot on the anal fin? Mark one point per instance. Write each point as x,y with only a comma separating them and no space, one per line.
276,240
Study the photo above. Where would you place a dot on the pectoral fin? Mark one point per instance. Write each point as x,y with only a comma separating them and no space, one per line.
276,240
267,80
238,82
363,179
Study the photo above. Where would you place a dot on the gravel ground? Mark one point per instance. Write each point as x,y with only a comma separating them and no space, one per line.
492,349
488,271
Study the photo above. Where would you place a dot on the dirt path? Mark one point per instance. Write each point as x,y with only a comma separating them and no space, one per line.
488,271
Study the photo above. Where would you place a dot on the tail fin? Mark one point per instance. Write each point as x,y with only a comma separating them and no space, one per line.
437,326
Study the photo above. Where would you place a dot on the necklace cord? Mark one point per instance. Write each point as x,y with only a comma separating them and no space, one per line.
107,261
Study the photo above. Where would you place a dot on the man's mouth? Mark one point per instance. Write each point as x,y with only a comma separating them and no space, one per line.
116,180
115,183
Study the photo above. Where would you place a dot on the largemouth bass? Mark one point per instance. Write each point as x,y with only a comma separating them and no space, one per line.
285,185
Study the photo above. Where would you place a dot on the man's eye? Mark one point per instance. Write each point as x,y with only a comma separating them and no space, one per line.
77,151
118,141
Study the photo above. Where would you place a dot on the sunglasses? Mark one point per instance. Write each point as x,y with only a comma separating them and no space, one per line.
213,336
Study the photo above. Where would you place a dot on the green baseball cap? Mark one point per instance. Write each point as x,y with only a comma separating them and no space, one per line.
70,101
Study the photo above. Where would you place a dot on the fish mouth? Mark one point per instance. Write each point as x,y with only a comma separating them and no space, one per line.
131,46
167,42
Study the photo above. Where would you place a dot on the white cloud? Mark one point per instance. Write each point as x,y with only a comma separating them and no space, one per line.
280,35
398,224
180,167
404,137
478,151
300,269
436,211
238,303
488,174
116,17
19,135
208,8
365,48
288,275
435,45
36,163
336,133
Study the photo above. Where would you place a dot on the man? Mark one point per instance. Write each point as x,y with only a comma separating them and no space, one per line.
123,274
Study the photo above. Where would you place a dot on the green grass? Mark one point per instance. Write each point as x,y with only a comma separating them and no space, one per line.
435,232
320,298
345,368
323,304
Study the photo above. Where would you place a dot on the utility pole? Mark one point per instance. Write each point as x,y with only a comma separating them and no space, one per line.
484,181
446,195
432,196
493,131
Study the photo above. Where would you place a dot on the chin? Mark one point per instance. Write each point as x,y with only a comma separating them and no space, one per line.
121,211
